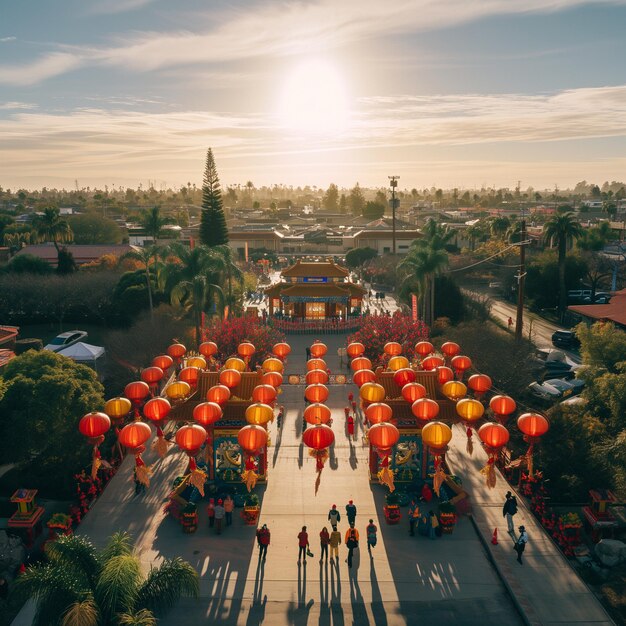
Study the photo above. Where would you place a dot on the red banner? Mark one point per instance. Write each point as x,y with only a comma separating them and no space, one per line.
414,306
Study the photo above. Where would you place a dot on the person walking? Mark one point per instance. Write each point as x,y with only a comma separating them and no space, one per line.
351,513
210,510
229,505
350,426
432,525
414,516
352,542
280,417
303,544
371,532
335,542
334,517
219,515
510,322
263,539
509,510
324,541
520,544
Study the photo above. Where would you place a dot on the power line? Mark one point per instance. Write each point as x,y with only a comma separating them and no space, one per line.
493,256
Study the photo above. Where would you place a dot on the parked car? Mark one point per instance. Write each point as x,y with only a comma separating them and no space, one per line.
574,296
65,340
601,297
565,339
555,389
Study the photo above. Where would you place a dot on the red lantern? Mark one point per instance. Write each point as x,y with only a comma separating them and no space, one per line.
316,393
413,391
383,436
230,378
272,378
134,435
355,349
265,394
281,350
246,349
378,412
363,376
493,435
360,363
164,361
393,348
177,351
318,350
157,409
207,413
479,384
152,375
208,349
317,414
190,438
404,376
190,376
444,375
460,364
316,377
502,407
533,425
425,409
318,437
137,392
252,438
315,364
220,394
450,349
94,425
423,348
432,362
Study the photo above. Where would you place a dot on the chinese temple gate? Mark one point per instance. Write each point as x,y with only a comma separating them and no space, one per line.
315,291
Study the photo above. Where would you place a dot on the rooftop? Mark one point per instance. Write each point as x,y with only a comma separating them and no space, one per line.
302,269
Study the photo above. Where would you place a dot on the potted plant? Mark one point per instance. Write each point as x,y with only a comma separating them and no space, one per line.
447,517
189,518
59,524
251,509
392,508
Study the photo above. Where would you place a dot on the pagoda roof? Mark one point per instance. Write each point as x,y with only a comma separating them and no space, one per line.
303,269
316,290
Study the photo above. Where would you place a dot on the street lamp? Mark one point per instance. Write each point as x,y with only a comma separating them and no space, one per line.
393,183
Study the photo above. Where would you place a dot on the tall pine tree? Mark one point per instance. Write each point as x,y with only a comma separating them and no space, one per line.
213,230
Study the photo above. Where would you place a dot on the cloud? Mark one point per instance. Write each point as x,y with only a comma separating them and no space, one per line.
7,39
284,28
45,67
13,106
106,7
94,142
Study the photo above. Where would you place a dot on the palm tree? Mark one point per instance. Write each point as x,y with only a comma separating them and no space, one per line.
435,236
148,258
50,227
500,225
229,270
82,586
152,222
562,228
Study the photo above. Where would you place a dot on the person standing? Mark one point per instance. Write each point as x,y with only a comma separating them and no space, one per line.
432,525
335,542
351,513
263,539
280,417
509,510
219,515
520,544
334,517
210,510
324,541
303,544
510,322
229,505
308,353
352,542
414,515
371,532
350,426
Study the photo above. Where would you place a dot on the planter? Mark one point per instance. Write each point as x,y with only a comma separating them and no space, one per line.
392,514
189,522
447,522
250,515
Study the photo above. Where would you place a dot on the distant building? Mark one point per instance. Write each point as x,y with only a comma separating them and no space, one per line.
614,311
82,253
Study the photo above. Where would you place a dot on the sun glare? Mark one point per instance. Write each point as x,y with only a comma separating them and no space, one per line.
314,99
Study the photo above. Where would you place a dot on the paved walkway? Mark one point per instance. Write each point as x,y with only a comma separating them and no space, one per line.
546,588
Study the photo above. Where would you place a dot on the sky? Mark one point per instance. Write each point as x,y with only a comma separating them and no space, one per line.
445,93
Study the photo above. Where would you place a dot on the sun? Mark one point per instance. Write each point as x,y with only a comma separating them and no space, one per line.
314,99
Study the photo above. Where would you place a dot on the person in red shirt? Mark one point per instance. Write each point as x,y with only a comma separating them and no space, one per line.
324,541
263,539
350,426
303,544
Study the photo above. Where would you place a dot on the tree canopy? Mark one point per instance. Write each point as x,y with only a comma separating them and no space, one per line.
357,256
92,228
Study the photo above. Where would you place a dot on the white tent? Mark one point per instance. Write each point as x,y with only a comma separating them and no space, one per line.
83,352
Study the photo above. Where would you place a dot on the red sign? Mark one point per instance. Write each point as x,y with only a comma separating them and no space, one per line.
414,306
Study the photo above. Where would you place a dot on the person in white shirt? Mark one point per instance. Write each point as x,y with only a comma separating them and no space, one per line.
520,544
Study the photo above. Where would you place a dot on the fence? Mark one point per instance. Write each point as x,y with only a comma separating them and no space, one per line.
316,327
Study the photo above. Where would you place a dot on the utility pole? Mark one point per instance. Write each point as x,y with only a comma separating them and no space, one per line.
521,279
393,183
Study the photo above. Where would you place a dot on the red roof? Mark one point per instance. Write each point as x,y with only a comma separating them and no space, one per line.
6,356
614,311
322,268
82,254
8,334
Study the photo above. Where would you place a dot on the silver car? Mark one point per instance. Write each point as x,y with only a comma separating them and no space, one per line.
555,389
64,340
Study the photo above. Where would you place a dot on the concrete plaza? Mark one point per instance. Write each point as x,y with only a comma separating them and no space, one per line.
410,580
